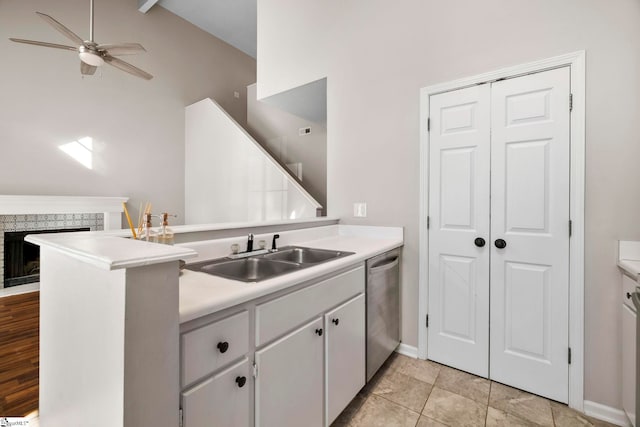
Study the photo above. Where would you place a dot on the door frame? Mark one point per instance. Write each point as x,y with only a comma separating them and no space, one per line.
576,62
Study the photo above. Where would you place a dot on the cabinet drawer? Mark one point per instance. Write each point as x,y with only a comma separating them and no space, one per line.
282,314
220,401
628,288
212,346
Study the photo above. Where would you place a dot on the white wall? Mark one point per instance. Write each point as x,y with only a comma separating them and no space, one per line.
137,125
277,131
229,177
378,54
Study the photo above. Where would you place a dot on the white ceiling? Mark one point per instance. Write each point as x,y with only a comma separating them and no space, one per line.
233,21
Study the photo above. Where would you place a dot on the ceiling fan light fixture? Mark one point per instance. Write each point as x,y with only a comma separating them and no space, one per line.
92,55
91,58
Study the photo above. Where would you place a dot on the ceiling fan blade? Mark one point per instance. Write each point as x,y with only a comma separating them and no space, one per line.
125,66
44,44
62,29
122,48
86,69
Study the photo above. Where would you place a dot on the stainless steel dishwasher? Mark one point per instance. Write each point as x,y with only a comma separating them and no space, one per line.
383,308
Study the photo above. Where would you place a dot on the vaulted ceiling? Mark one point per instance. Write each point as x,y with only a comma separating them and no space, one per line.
233,21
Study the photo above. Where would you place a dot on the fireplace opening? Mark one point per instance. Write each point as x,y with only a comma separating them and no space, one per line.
22,259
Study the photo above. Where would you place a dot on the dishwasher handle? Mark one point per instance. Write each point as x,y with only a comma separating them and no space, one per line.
635,297
391,263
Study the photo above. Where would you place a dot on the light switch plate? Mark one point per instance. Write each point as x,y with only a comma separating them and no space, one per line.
360,210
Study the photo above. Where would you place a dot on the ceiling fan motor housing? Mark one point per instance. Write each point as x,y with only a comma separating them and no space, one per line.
90,55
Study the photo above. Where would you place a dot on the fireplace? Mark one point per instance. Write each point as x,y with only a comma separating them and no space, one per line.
19,260
23,215
22,259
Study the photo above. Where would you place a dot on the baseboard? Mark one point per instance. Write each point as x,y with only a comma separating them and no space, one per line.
606,413
407,350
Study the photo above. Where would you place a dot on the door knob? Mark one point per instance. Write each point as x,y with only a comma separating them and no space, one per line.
335,321
628,295
319,332
241,381
500,244
223,346
479,242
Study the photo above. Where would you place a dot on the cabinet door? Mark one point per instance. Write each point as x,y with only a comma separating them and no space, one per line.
222,400
345,355
629,363
289,385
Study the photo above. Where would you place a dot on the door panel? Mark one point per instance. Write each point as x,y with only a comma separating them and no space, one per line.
459,213
629,363
345,355
527,190
290,381
457,288
526,295
456,191
530,162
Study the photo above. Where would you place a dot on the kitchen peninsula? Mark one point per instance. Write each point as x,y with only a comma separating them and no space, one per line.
118,320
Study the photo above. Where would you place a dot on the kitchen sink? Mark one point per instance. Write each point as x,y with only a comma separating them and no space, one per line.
302,255
267,266
253,269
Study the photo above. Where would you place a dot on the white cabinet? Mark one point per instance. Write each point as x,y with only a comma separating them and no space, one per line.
290,376
222,400
628,349
345,355
308,347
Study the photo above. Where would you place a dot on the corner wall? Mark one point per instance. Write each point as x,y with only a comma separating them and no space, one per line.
377,55
277,131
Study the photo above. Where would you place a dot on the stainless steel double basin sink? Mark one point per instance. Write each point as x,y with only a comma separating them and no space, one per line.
262,267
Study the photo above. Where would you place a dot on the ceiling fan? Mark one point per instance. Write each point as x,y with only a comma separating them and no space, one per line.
93,55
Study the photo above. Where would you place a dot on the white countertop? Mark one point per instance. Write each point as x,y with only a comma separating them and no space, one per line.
629,258
202,294
630,267
195,228
109,252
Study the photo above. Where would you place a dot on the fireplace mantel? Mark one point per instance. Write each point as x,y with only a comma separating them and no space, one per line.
111,207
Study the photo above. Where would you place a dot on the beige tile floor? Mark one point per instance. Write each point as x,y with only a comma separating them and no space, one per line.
417,393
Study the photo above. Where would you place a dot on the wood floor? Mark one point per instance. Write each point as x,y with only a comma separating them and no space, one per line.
19,354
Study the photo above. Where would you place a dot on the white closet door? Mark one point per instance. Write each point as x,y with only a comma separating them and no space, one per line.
459,214
530,213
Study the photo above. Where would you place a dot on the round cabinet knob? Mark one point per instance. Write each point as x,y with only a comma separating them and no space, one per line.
628,295
479,242
223,346
500,244
336,321
241,381
319,332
